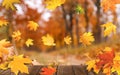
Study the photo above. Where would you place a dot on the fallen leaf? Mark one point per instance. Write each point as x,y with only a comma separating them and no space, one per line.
48,71
18,64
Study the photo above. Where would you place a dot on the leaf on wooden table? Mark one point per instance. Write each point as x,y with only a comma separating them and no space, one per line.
47,71
18,64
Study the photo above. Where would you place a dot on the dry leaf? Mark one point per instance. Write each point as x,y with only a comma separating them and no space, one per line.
9,4
32,25
87,38
52,4
16,35
29,42
109,28
48,40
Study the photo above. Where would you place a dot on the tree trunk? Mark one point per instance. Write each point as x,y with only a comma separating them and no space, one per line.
97,28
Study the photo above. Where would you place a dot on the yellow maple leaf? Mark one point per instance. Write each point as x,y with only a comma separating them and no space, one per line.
67,40
3,49
18,64
32,25
90,64
86,38
29,42
52,4
107,49
116,64
9,4
4,66
16,35
4,43
48,40
109,28
3,22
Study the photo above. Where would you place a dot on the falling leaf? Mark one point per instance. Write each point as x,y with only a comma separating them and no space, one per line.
9,4
48,71
32,25
3,22
86,38
79,9
109,28
29,42
4,43
52,4
48,40
16,35
18,64
67,40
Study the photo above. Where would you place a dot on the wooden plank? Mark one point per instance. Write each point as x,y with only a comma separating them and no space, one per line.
79,70
6,72
65,70
33,70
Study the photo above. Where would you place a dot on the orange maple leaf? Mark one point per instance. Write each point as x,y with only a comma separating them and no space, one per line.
47,71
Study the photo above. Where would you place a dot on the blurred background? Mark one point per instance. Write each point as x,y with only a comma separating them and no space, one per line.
62,21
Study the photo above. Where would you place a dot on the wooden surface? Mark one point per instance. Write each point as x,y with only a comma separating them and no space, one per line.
61,70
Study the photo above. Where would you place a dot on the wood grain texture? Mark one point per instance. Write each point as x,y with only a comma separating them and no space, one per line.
65,70
79,70
61,70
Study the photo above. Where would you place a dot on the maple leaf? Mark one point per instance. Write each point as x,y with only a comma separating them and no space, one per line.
4,66
109,28
107,70
116,65
48,71
67,40
18,64
3,49
79,9
106,57
29,42
4,43
48,40
9,4
32,25
3,22
90,64
52,4
86,38
16,35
